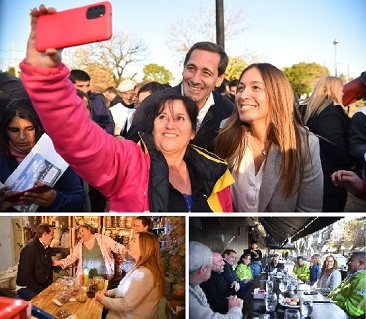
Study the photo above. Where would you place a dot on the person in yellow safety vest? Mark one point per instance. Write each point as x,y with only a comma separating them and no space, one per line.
301,269
350,295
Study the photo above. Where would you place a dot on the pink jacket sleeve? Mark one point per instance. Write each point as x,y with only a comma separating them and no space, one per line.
118,169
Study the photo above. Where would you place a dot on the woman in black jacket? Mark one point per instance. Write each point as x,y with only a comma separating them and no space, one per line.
324,115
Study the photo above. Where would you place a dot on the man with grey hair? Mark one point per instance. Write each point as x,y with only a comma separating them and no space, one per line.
200,263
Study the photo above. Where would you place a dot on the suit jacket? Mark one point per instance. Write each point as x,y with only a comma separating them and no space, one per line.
208,130
217,290
310,195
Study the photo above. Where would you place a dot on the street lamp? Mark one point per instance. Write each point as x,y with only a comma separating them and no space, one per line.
335,42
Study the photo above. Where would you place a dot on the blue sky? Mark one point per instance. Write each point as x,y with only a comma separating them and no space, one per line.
281,32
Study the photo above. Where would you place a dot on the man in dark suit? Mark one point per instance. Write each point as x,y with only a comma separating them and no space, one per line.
216,288
238,287
204,69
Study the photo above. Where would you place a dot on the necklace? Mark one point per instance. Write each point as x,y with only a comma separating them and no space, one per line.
263,150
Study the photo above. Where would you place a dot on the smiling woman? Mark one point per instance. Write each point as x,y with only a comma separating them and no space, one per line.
274,158
164,173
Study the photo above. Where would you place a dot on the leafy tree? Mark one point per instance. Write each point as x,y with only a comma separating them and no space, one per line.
354,233
157,73
235,67
303,76
11,71
107,61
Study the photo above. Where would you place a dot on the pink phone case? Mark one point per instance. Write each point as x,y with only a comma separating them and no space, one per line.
74,27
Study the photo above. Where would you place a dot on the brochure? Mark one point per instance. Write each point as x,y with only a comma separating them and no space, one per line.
43,164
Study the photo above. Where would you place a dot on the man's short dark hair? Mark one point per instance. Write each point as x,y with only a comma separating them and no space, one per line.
43,228
360,255
299,257
234,82
228,252
146,221
78,75
111,89
210,47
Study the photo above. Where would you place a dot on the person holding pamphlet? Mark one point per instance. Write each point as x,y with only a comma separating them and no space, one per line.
20,130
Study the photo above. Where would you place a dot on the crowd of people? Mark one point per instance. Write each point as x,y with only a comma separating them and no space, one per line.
189,147
217,289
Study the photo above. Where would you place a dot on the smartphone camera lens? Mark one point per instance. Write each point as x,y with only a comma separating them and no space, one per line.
95,12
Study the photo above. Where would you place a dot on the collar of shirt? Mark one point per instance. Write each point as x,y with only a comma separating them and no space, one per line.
202,112
45,246
349,276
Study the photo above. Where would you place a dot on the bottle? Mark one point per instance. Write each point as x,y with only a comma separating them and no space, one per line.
80,277
86,277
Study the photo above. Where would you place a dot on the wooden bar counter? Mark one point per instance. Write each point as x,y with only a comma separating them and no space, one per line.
91,309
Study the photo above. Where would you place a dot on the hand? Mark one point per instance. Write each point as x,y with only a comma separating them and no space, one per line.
4,204
51,57
348,180
235,285
56,263
99,295
234,301
41,199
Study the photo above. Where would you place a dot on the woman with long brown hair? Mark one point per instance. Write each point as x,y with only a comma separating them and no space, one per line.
330,277
274,159
139,292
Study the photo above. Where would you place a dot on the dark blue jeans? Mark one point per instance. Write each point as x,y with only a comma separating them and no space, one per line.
26,293
244,288
256,268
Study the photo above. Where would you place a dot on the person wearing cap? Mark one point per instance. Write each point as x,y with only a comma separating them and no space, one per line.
126,90
123,112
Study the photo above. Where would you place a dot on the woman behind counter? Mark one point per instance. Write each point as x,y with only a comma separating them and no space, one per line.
20,130
94,252
330,277
139,292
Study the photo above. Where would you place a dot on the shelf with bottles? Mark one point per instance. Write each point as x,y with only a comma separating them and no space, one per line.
173,253
119,228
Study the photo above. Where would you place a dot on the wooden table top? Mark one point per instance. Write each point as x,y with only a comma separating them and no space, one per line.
91,309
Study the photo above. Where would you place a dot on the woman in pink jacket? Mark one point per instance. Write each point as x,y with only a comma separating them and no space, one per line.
163,173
